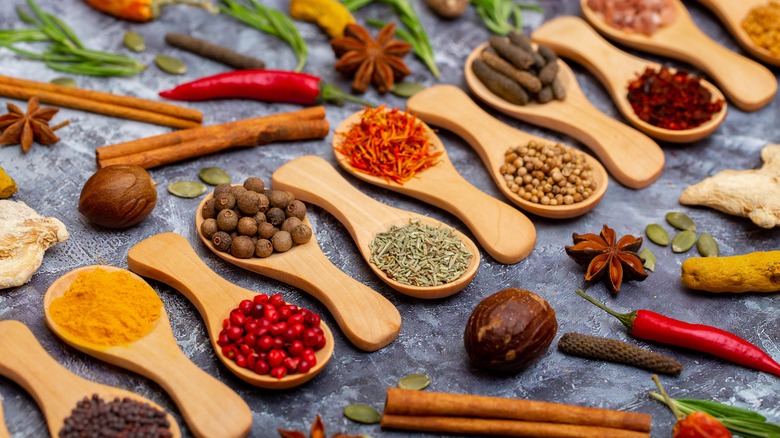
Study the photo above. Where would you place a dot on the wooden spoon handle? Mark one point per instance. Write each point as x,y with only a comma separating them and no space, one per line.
3,429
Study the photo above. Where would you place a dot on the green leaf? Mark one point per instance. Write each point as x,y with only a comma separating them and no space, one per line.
719,409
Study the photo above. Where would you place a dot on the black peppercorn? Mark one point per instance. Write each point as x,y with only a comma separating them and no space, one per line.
224,201
263,248
209,227
221,241
282,241
254,184
242,247
296,209
227,220
275,216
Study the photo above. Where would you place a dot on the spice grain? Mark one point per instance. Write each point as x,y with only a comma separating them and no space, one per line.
762,24
125,417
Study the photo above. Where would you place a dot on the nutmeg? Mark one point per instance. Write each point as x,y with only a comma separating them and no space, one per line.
509,330
118,196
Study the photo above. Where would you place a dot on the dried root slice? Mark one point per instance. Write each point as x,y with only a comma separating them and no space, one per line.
746,193
24,237
595,347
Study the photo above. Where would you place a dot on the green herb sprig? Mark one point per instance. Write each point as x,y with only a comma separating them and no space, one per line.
270,21
498,14
414,33
66,52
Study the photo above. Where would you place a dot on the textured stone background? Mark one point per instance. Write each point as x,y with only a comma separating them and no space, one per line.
431,337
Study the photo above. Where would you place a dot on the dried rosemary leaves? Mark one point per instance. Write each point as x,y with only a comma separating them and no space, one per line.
418,254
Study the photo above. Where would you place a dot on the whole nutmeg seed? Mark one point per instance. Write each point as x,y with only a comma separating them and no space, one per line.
509,330
118,196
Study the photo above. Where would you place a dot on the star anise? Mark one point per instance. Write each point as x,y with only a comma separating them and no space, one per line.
317,431
19,127
605,253
378,61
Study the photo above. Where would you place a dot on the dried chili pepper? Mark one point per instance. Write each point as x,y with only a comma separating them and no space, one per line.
390,144
672,100
652,326
141,10
264,85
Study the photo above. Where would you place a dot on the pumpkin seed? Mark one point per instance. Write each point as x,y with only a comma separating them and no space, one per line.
214,176
170,65
407,89
362,414
683,241
64,82
134,41
657,234
681,221
707,245
187,189
414,381
648,258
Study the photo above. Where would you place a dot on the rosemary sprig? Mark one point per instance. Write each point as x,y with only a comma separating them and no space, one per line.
270,21
414,33
65,51
498,14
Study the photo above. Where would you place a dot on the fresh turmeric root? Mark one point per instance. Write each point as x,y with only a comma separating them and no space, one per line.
753,272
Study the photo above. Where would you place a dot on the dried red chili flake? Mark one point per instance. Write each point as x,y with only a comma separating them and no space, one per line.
390,144
672,100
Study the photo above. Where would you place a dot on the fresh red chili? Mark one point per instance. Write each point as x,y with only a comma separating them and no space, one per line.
264,85
652,326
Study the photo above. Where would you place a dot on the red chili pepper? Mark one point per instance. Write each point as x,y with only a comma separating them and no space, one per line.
652,326
265,85
697,424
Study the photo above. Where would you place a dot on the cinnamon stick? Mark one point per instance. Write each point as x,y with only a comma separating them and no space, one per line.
115,99
424,403
177,137
85,104
481,426
277,131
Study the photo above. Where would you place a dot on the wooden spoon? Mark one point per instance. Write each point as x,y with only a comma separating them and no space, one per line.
732,13
748,84
170,259
54,388
573,38
3,429
367,318
505,233
209,407
312,179
451,108
632,158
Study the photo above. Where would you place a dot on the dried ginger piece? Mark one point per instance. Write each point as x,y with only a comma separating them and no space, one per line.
747,193
24,237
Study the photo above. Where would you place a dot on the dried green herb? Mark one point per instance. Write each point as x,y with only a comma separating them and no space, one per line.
134,41
64,82
414,381
407,89
707,245
418,254
648,259
362,414
657,234
214,176
681,221
499,14
170,65
683,241
187,189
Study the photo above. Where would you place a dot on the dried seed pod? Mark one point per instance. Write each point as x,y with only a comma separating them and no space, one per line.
547,53
118,196
548,73
524,78
499,84
545,94
520,58
559,91
595,347
520,40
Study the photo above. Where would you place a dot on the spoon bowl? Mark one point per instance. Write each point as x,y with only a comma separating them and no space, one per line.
631,157
504,232
312,179
574,38
449,107
683,40
209,407
23,360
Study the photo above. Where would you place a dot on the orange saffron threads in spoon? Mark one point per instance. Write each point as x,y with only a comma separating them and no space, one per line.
390,144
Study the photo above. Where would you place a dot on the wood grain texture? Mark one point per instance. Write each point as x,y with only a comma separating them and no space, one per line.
504,232
55,389
631,157
452,109
312,179
209,407
683,40
573,38
3,429
170,259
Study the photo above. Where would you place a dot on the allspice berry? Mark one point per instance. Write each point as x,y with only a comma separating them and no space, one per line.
254,184
242,247
301,234
118,196
237,190
263,248
259,217
222,241
208,211
247,226
296,209
282,241
208,228
227,220
224,201
280,199
222,188
290,223
275,216
266,230
248,202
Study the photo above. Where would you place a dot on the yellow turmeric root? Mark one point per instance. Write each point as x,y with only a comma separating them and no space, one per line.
330,15
7,185
753,272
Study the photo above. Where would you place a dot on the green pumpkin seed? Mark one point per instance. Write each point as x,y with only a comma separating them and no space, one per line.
362,414
648,258
407,89
170,65
64,82
657,234
414,381
214,176
681,221
187,189
134,41
707,246
683,241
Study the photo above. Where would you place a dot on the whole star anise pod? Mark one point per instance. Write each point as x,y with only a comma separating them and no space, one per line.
19,127
605,253
378,61
317,431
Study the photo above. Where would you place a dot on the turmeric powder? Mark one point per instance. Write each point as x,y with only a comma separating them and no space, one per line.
107,308
762,25
330,15
753,272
